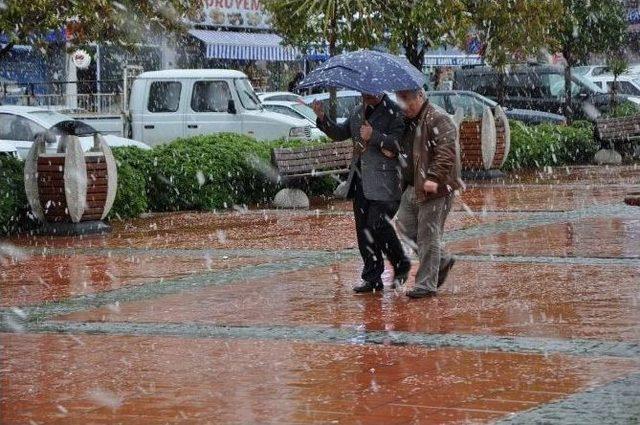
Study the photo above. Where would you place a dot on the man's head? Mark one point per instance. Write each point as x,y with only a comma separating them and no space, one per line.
371,99
411,101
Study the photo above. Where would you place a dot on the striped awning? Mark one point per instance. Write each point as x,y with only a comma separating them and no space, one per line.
244,46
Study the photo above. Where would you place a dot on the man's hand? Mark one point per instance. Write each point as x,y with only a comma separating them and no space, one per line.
318,109
430,187
366,131
389,154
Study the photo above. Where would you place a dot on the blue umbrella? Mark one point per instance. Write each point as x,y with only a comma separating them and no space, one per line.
366,71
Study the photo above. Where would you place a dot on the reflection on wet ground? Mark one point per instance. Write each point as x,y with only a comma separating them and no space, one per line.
481,298
135,380
248,316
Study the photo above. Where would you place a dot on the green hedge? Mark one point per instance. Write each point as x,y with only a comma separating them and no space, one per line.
200,173
550,145
13,200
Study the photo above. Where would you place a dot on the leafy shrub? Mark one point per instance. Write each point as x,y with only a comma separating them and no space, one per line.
550,145
197,173
625,109
13,200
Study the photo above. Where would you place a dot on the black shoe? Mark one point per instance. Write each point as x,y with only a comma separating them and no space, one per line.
420,293
400,277
369,286
444,272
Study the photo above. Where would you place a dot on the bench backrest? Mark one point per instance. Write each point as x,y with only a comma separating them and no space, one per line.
618,128
332,158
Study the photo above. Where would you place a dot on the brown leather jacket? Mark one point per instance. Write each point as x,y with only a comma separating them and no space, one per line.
436,157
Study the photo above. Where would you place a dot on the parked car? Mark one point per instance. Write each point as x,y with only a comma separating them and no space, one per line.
283,96
590,71
347,100
539,87
473,104
19,126
295,110
166,105
628,85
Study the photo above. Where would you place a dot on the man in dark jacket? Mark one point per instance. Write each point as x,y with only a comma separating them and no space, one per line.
431,174
374,183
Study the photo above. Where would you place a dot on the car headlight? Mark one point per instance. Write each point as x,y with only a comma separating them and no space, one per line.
298,132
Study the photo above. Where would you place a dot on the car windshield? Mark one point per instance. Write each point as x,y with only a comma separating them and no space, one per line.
588,83
304,110
246,94
581,70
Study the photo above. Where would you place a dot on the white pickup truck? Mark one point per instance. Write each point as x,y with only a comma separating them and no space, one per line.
165,105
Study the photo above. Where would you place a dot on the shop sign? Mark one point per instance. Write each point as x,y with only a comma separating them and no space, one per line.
232,13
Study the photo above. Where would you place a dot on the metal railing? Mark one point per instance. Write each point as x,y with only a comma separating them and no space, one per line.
85,97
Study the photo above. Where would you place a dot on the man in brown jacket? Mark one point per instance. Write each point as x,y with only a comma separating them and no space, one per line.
431,174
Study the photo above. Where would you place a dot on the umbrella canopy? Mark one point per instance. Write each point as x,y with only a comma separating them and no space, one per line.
366,71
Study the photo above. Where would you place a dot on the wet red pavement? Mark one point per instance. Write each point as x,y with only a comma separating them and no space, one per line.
486,298
549,256
144,380
57,277
593,237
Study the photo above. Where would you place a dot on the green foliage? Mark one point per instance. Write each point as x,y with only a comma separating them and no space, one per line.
198,173
625,109
588,27
550,145
349,24
122,23
213,171
448,24
134,182
13,201
512,30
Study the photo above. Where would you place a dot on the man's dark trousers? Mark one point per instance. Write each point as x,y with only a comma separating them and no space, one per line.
375,234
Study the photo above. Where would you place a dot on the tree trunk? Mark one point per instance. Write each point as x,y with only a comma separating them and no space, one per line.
614,92
500,91
413,52
333,98
6,49
567,108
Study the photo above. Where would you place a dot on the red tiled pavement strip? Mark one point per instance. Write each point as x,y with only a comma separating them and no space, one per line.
585,175
593,237
156,380
53,278
540,300
267,229
541,198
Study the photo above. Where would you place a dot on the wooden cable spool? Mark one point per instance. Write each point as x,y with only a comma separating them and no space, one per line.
70,186
503,138
478,142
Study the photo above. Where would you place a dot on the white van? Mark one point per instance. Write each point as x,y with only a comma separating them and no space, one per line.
165,105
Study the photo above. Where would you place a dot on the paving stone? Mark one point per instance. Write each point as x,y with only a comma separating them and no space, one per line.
129,379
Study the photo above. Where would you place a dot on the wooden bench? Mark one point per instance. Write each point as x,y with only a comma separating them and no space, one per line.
610,130
297,164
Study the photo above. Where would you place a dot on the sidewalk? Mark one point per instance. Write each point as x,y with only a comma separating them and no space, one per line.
248,317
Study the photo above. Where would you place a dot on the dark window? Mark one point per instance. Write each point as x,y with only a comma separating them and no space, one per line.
210,96
164,96
283,97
